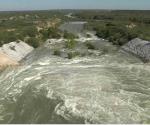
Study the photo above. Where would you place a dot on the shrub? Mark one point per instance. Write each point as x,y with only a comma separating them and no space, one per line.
69,35
88,35
30,31
117,34
57,52
132,35
6,37
53,33
89,45
73,54
50,33
70,44
34,42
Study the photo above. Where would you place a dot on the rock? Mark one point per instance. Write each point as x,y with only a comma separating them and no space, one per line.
16,50
139,48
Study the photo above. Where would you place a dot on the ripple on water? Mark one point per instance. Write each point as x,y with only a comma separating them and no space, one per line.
81,90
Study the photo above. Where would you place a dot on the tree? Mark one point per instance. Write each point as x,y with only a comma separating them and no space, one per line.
68,35
50,33
30,31
33,42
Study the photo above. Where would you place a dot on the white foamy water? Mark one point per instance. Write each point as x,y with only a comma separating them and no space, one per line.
105,89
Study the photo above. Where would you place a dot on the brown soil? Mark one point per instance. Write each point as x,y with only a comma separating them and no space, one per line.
6,61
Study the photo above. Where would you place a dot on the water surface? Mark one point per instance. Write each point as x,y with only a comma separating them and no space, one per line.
111,88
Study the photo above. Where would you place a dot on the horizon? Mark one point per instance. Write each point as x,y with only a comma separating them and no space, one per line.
74,10
23,5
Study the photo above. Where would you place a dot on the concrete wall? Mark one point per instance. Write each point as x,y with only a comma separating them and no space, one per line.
12,53
138,47
16,50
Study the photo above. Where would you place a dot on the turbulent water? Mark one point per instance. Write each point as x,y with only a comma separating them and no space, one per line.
108,88
111,88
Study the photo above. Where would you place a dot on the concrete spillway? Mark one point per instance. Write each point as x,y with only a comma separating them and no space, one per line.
12,53
139,48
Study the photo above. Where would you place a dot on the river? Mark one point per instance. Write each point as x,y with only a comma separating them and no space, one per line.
110,88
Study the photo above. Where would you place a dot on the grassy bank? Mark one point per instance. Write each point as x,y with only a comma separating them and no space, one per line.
118,26
34,27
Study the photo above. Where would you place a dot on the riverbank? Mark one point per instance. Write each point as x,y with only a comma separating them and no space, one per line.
5,60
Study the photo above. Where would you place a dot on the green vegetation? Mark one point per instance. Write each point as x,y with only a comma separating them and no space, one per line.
29,31
89,45
116,34
73,54
117,27
32,41
6,37
71,43
88,35
50,33
57,52
69,35
31,26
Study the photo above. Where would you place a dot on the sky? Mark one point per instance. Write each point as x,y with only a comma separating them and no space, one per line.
7,5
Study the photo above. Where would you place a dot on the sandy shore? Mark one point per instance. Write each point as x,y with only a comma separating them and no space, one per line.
6,61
